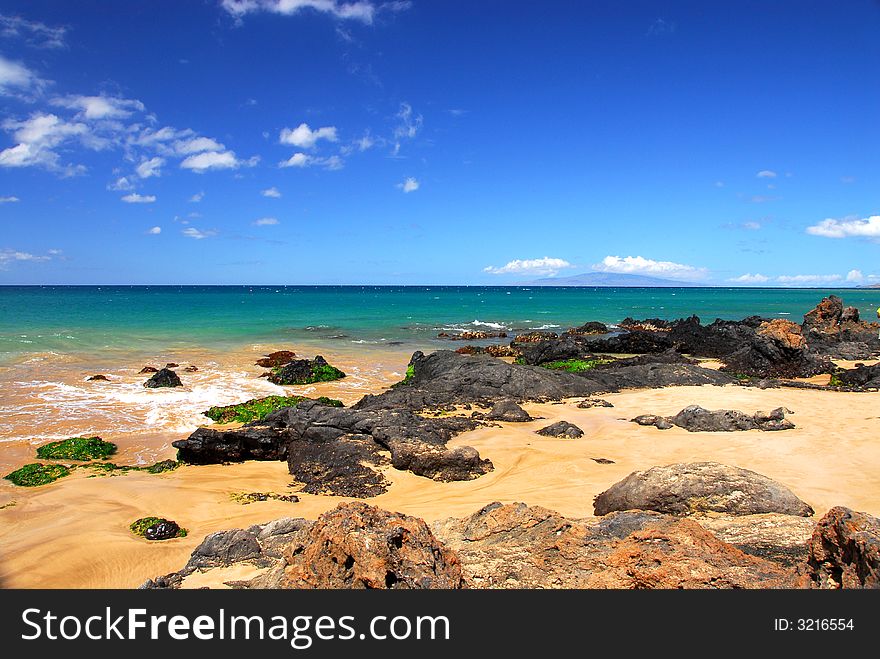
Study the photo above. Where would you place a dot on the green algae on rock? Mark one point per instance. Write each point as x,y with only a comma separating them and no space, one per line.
77,448
304,371
142,528
255,409
34,474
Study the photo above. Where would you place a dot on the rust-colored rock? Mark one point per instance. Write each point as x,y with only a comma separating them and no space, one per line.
360,546
784,332
845,550
277,358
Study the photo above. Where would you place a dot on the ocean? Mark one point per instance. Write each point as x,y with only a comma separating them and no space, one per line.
146,319
52,338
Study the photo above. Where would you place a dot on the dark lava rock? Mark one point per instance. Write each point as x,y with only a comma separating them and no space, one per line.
338,450
837,331
191,369
148,369
172,365
99,378
681,489
603,461
305,371
845,550
594,402
277,358
163,378
360,546
777,349
696,419
533,337
860,377
561,429
508,410
493,350
164,530
591,327
340,466
250,442
660,422
472,336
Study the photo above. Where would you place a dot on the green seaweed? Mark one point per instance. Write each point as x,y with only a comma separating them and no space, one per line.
407,378
835,380
161,467
245,498
258,408
140,526
324,373
575,365
77,448
34,474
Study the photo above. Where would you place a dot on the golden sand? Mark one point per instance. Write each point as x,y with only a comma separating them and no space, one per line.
74,533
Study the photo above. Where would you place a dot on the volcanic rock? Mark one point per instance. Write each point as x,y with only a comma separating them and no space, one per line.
163,530
148,369
561,429
99,378
591,327
593,402
681,489
163,378
778,349
845,550
360,546
508,410
275,359
305,371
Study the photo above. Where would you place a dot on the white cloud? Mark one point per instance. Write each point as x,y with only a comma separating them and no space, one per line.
122,184
296,160
766,173
16,76
206,160
857,228
34,33
155,231
408,125
751,226
855,276
265,222
750,279
542,266
305,160
9,200
192,232
197,197
638,265
357,10
306,138
135,198
151,167
272,192
197,145
808,279
10,256
37,137
99,107
409,185
365,143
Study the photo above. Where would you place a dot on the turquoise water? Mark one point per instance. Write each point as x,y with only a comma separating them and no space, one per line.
87,318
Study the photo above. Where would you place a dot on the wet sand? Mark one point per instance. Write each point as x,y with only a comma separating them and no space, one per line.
74,533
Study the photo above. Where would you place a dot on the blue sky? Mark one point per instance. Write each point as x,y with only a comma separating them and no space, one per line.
367,141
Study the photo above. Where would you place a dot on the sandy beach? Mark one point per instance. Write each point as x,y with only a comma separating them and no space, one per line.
74,533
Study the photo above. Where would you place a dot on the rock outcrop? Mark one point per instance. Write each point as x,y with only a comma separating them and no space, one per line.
562,429
276,359
305,371
697,419
845,550
508,410
682,489
837,331
164,377
777,349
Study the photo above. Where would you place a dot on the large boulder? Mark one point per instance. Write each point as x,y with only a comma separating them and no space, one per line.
682,489
164,377
845,550
356,546
519,546
694,418
276,359
251,442
305,371
837,331
508,410
561,429
860,377
777,349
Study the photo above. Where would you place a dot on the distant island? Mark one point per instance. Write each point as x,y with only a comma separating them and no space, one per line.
612,279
